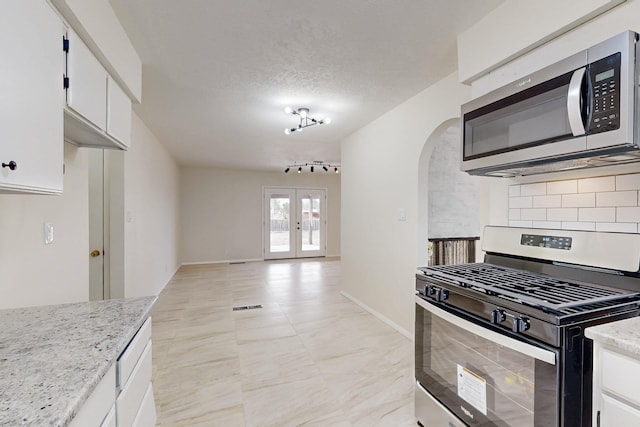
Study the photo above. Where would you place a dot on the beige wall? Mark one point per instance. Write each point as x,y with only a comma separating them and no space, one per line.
151,214
221,211
379,255
32,273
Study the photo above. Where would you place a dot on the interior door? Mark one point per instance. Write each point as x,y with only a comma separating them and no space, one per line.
294,223
98,282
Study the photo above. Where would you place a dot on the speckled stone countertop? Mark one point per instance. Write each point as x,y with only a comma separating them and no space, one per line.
52,357
623,335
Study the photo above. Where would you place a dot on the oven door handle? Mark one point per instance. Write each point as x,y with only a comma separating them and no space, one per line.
501,339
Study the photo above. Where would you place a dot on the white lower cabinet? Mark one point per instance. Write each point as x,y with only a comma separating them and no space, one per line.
124,396
135,405
616,401
96,408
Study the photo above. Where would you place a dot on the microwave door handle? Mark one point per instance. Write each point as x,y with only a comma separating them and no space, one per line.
574,101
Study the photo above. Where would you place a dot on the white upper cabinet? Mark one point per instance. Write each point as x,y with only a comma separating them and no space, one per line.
98,112
87,92
31,98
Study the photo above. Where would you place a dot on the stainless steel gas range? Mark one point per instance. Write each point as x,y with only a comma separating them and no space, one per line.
501,343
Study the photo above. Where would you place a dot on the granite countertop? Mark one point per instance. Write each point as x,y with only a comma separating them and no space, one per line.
52,357
622,334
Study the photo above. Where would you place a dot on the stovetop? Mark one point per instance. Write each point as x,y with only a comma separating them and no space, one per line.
539,290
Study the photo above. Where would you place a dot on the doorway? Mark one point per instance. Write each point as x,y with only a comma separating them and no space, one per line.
294,223
98,280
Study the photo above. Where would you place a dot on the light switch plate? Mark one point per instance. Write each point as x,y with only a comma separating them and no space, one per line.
48,233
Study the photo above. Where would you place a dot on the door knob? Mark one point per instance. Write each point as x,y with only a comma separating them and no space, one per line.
11,165
95,253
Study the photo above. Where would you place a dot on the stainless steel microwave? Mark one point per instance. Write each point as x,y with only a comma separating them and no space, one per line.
579,112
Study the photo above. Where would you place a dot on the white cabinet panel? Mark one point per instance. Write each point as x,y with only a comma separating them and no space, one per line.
31,97
129,358
110,420
617,414
87,92
616,371
147,413
118,113
131,396
97,406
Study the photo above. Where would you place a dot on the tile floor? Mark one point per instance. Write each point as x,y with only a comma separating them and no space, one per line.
309,357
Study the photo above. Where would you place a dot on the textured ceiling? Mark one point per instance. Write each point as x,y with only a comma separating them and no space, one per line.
217,74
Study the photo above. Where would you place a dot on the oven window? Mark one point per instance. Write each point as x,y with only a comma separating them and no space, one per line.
481,381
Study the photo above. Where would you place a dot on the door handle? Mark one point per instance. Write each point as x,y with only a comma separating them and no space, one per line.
574,101
95,253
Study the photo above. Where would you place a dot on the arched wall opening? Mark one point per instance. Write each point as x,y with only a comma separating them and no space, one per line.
448,199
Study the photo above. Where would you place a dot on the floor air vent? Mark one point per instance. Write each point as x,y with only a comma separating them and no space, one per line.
247,307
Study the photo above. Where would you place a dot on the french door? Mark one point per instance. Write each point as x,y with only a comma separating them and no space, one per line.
294,223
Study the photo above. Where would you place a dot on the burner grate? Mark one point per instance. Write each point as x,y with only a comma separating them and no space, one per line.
536,289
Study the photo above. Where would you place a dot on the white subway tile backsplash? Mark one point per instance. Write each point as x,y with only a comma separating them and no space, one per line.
586,226
628,182
547,224
605,203
594,185
554,201
527,224
597,214
628,214
537,189
520,202
533,214
562,214
617,198
586,200
562,187
619,227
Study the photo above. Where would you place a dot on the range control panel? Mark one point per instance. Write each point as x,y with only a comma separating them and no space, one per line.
553,242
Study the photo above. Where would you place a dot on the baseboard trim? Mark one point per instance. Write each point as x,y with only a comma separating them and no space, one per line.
383,318
227,261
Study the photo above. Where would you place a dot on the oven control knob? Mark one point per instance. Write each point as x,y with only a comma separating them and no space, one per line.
498,316
520,324
437,293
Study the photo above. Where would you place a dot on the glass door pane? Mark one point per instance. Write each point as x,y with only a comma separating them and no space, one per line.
279,216
311,223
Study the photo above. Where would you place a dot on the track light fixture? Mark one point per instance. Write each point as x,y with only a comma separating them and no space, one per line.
305,120
312,166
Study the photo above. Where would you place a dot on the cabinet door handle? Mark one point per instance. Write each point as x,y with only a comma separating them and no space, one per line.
11,165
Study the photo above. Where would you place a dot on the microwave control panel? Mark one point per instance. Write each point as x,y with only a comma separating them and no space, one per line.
605,87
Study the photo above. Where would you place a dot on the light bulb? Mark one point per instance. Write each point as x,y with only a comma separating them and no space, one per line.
287,131
300,170
303,112
327,120
336,169
288,110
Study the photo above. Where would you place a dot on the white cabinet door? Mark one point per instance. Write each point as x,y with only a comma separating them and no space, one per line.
87,92
118,113
31,98
618,414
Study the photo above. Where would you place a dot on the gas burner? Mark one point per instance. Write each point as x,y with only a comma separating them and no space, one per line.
534,289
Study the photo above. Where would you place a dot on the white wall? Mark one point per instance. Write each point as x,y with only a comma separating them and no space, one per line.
379,255
221,211
151,214
32,273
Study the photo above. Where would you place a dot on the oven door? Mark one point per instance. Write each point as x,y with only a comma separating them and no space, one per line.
483,375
